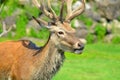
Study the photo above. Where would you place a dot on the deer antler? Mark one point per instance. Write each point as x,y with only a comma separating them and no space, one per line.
73,13
5,31
41,6
61,11
51,13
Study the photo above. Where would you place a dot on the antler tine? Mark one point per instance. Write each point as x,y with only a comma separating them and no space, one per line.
69,8
61,11
52,11
36,3
43,9
76,12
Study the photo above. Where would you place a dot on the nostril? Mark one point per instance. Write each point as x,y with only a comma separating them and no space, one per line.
81,46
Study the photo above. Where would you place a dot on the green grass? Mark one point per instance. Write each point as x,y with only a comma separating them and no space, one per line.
98,62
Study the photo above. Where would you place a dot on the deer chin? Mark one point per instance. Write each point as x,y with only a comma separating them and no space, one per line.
78,51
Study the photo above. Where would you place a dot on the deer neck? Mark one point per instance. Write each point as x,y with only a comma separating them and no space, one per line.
50,60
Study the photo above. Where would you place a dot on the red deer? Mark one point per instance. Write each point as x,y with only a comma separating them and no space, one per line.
22,60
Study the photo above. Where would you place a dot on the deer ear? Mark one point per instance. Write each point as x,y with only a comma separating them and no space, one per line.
49,25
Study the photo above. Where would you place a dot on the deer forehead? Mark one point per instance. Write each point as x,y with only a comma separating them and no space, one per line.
63,26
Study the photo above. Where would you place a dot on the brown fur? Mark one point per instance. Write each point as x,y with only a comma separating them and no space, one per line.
20,64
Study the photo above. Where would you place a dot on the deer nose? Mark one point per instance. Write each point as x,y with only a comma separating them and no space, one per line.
79,48
79,45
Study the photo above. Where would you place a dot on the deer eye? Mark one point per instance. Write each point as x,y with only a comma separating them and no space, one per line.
61,33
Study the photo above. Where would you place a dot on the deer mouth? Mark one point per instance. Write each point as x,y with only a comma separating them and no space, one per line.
78,51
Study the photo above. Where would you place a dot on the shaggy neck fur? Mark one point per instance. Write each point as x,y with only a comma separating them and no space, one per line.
51,60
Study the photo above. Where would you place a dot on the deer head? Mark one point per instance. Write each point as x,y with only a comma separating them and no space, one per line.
62,34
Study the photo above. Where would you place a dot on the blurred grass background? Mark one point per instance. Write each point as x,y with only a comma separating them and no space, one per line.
98,62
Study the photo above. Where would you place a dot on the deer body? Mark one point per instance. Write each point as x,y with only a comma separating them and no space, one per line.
22,60
22,64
